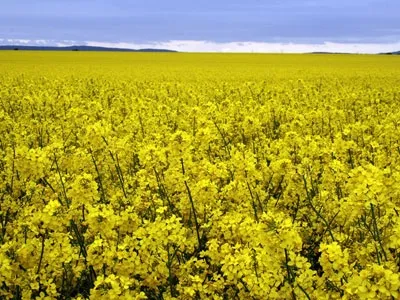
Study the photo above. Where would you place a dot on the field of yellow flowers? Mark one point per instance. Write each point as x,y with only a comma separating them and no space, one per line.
199,176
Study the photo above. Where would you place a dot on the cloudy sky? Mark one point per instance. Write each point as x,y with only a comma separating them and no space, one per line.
217,25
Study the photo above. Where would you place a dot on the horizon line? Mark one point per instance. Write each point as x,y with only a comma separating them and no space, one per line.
203,46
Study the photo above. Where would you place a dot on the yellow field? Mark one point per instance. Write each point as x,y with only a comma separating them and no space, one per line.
199,176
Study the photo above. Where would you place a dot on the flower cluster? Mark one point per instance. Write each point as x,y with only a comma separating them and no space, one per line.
189,176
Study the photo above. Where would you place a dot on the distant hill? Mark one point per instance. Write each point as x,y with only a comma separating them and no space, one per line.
392,53
78,48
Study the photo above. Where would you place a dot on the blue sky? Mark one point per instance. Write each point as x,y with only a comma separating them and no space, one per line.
201,25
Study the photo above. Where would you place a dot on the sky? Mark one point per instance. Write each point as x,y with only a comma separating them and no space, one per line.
360,26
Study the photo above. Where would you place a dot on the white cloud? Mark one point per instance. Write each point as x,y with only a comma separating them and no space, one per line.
258,47
19,41
42,42
209,46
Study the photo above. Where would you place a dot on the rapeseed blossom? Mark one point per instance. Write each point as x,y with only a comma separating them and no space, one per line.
189,176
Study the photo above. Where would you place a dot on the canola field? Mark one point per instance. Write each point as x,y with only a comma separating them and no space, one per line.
199,176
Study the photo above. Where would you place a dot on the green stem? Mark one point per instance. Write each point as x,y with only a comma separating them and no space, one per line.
61,180
193,208
41,254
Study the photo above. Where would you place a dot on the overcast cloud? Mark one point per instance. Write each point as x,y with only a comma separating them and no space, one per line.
220,25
